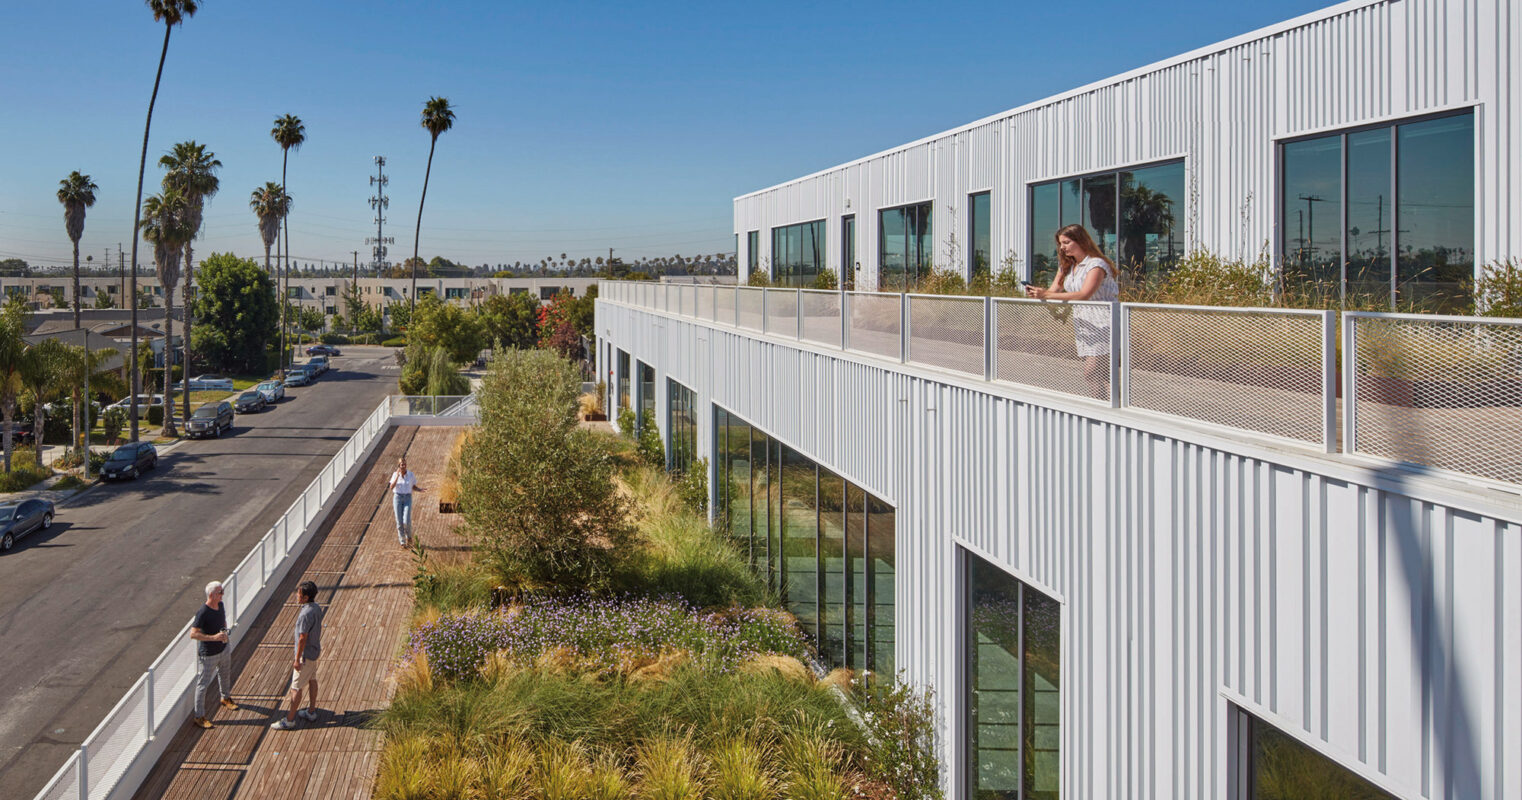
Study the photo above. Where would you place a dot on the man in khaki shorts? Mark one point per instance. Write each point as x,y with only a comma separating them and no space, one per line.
304,667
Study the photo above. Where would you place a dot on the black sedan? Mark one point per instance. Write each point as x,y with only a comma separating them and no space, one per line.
323,350
249,402
20,519
129,461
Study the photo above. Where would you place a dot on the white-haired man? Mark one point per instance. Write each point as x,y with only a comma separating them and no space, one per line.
209,629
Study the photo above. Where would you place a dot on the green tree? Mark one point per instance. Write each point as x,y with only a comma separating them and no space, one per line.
510,320
171,13
310,319
289,133
437,118
192,170
166,225
41,373
71,367
401,316
353,306
538,489
12,354
103,300
440,324
77,193
236,309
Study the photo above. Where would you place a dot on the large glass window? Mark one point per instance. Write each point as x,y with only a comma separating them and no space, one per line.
797,253
1133,215
1406,191
824,544
681,426
979,220
905,249
646,411
623,380
848,252
1013,670
752,251
1285,769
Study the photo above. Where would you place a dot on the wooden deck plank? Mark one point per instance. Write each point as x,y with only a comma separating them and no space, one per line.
364,580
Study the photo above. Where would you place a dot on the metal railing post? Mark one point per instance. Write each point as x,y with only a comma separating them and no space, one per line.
1125,357
1349,383
232,603
84,772
1118,347
990,351
798,314
765,311
149,687
1329,380
903,327
845,327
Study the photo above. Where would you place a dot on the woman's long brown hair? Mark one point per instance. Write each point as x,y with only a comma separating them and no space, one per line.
1080,235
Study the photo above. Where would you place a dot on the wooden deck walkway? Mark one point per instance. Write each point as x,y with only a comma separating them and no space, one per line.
364,581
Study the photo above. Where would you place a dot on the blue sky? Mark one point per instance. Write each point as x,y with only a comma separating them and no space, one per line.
580,127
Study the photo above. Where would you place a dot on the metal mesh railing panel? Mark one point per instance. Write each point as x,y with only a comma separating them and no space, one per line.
118,739
65,783
175,670
705,302
820,314
1036,344
1444,392
724,304
689,295
248,582
946,332
876,323
1251,369
782,312
751,302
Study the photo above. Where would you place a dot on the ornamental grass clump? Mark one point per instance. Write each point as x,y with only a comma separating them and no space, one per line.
538,490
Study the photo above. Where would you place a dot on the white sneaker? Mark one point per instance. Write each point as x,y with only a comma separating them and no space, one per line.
307,714
283,724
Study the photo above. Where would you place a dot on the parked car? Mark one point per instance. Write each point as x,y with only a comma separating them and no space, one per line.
144,401
210,420
129,461
319,363
249,402
208,383
20,519
22,434
323,350
273,391
299,376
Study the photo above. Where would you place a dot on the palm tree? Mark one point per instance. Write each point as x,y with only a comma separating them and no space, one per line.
171,13
270,204
167,227
192,169
289,133
41,371
70,367
77,193
437,118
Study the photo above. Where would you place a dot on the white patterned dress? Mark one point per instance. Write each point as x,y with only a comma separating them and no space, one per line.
1091,324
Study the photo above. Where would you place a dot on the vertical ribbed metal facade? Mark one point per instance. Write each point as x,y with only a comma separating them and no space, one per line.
1222,109
1372,614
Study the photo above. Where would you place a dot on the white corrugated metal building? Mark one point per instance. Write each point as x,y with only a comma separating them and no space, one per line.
1228,613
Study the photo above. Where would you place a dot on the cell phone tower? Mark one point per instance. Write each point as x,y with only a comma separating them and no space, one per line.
379,202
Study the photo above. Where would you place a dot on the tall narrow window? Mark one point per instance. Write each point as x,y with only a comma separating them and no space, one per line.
979,220
832,567
858,597
904,246
623,380
752,251
646,411
1013,666
800,548
881,531
681,426
848,264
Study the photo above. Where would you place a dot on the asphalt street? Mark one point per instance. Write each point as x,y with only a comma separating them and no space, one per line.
86,606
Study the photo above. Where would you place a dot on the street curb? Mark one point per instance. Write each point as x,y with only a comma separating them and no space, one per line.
96,482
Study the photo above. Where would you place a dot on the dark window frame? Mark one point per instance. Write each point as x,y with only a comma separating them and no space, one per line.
972,234
925,259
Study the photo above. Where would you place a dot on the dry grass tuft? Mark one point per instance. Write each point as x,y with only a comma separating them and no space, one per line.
840,678
670,769
740,772
661,669
507,772
559,660
413,675
562,772
784,665
500,667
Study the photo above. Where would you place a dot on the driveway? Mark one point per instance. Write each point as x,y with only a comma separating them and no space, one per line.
86,606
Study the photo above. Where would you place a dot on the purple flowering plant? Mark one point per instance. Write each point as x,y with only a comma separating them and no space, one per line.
603,632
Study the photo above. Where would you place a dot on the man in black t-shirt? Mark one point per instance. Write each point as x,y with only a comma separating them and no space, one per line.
213,657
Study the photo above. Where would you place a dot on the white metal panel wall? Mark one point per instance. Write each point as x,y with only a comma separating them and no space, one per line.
1223,109
1382,629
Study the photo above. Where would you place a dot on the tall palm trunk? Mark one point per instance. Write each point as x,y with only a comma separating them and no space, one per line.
169,429
76,286
185,347
37,427
137,218
267,267
412,301
282,291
